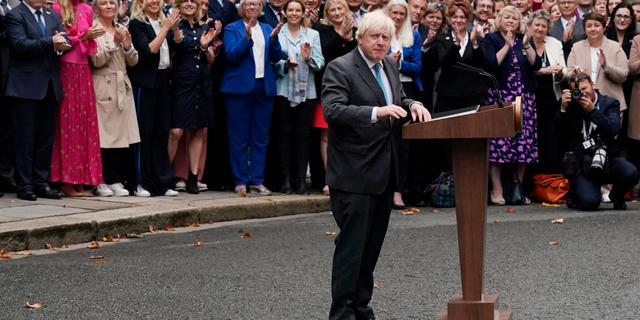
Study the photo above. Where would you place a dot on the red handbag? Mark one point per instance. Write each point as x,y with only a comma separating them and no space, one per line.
550,188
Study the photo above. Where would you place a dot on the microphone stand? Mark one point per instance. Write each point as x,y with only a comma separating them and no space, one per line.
485,74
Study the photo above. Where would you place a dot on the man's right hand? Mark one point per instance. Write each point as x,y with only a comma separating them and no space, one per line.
391,111
565,99
60,42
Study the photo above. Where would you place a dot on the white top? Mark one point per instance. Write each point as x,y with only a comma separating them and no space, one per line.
595,63
165,59
395,47
258,49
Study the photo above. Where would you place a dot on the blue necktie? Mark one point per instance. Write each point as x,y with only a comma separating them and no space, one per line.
376,69
41,23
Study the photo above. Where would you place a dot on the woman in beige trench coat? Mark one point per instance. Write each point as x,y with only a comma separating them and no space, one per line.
116,110
633,143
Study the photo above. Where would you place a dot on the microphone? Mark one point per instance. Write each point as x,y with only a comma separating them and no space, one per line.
485,74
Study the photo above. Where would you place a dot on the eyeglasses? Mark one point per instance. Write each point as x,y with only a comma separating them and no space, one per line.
621,17
251,4
485,6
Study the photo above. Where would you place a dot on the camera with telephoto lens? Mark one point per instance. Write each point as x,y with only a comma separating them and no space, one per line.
576,93
599,158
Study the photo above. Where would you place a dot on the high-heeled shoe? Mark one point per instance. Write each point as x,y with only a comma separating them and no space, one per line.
498,201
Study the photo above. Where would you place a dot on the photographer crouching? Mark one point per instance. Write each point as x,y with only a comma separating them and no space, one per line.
591,121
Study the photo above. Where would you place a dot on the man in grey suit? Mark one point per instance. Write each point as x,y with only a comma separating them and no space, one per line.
365,106
568,29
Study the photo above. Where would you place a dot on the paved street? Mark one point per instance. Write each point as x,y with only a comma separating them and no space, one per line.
282,270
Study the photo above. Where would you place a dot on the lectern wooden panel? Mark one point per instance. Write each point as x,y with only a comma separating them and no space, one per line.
470,145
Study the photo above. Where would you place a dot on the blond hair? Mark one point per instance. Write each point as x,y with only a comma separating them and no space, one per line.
376,20
94,6
327,6
511,10
67,15
197,17
241,7
405,34
137,12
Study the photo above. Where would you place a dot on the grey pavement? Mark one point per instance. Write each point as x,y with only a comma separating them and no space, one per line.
282,271
34,224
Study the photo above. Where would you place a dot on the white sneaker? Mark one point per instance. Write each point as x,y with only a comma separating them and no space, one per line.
171,193
181,185
141,192
119,190
103,191
201,186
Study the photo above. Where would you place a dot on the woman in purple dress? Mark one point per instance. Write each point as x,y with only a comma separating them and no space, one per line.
511,57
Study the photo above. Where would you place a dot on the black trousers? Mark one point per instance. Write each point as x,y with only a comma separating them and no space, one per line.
363,220
117,165
294,139
585,193
34,123
7,144
153,106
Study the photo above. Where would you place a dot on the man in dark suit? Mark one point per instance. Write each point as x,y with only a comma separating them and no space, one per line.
363,103
568,29
6,119
224,11
272,12
417,12
590,125
33,82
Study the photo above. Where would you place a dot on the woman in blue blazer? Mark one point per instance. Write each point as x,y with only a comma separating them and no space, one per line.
406,51
511,57
249,86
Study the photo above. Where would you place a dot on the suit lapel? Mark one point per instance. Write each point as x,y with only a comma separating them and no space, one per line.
365,73
49,26
31,19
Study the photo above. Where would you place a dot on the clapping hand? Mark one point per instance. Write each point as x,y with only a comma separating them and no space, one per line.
250,24
313,16
122,37
346,30
568,30
206,38
123,8
429,39
510,39
93,32
60,42
602,58
305,51
276,30
396,56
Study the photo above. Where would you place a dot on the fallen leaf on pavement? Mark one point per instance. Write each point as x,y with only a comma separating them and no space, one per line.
377,286
550,205
152,228
330,233
5,255
51,247
134,235
496,221
242,194
33,305
410,211
510,210
95,257
169,228
558,221
244,234
109,238
553,242
194,225
435,210
198,244
65,246
22,253
93,245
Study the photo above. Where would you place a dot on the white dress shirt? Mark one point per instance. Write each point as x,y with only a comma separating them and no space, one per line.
258,49
165,59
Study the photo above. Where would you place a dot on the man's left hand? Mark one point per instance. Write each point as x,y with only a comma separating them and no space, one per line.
419,112
586,104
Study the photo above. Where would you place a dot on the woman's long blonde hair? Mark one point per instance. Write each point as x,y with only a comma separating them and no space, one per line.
67,14
405,34
137,12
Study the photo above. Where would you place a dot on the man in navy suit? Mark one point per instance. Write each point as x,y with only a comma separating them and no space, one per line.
590,125
272,12
37,38
363,103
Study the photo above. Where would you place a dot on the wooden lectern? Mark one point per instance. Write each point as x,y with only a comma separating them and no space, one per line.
470,136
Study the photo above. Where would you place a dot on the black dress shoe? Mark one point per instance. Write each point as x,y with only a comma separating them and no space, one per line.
27,195
48,193
399,206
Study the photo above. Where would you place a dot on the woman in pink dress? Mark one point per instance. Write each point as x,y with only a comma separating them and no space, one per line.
76,159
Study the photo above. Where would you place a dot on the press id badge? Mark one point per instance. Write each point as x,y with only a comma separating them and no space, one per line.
588,144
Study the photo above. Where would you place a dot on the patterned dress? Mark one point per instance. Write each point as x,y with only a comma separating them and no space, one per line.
523,147
76,155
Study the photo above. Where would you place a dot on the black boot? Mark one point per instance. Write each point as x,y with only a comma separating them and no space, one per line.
192,183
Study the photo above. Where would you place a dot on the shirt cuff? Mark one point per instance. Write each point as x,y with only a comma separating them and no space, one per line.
374,115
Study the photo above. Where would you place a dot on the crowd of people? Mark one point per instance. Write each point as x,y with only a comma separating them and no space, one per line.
148,98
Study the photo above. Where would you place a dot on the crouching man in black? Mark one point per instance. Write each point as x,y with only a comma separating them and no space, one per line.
590,121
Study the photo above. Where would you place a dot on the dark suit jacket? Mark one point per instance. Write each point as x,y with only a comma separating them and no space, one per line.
569,124
269,17
225,13
493,43
557,30
360,153
34,62
144,72
466,87
4,54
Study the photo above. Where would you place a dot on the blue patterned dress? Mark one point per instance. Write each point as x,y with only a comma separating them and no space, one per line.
523,147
